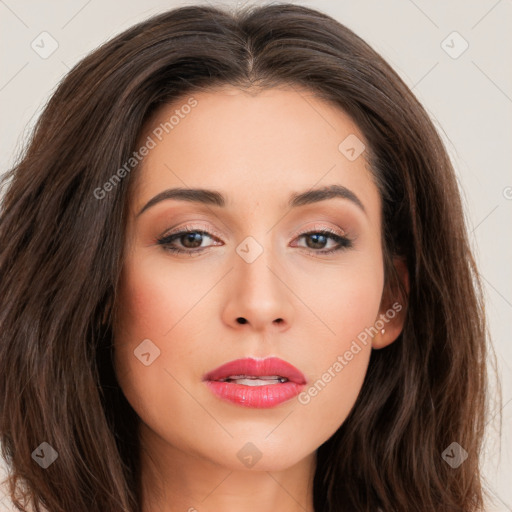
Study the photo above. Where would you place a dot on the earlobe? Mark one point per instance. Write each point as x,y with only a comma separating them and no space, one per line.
395,321
393,308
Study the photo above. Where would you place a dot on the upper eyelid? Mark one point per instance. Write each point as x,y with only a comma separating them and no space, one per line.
211,231
192,228
339,231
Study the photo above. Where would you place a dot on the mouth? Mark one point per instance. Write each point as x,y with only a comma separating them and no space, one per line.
258,383
251,380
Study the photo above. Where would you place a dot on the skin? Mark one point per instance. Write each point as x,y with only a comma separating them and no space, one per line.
256,149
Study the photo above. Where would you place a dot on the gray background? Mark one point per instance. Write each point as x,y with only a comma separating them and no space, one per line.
467,93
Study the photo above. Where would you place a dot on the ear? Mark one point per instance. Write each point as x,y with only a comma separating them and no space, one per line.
393,307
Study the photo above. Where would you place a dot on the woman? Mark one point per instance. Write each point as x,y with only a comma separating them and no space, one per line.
235,274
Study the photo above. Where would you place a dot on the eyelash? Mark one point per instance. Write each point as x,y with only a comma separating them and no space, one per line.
342,241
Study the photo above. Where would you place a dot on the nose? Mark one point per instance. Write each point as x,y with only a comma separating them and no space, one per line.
258,295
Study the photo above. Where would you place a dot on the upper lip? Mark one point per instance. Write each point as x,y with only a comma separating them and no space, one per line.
251,367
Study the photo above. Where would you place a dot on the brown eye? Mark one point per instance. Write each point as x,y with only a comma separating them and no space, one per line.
317,240
191,240
186,241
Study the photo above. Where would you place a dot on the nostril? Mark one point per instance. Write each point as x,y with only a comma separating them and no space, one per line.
242,320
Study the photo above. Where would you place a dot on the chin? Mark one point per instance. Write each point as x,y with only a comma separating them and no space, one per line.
255,453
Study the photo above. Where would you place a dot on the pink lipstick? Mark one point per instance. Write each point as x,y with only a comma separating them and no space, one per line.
258,383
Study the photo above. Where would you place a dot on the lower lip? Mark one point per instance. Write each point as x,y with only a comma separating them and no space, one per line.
260,397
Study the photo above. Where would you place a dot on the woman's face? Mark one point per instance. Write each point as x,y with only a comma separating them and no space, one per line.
256,254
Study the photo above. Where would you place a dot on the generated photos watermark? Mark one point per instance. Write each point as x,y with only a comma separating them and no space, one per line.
343,360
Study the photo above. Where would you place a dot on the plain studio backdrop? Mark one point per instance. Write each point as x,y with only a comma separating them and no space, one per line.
455,56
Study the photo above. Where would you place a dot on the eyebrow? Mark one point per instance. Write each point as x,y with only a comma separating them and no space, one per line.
214,198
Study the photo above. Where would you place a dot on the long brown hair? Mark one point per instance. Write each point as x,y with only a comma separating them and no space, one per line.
61,256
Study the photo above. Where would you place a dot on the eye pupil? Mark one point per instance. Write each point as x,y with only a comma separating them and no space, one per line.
193,238
316,243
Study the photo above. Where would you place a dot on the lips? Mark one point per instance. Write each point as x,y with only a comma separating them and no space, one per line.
260,383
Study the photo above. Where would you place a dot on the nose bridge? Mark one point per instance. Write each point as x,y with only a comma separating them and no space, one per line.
260,296
256,267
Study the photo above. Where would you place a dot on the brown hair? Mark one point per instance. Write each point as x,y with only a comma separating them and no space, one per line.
61,256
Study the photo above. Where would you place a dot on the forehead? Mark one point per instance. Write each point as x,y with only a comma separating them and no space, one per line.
254,144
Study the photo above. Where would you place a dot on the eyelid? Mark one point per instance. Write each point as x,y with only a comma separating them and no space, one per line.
322,227
191,227
211,231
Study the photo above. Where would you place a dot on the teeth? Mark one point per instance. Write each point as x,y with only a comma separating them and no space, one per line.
252,380
256,382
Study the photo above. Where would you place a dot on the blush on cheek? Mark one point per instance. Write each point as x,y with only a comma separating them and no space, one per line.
147,300
155,298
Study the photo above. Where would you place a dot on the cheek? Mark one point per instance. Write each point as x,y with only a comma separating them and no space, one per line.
326,403
339,367
149,309
348,305
345,299
154,297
